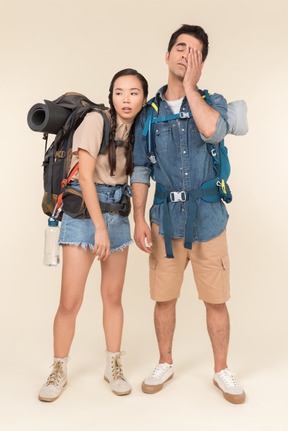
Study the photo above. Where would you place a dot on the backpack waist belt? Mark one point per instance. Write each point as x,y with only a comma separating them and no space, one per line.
107,207
73,204
163,196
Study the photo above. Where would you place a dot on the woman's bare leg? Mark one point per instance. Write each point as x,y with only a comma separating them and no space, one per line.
76,265
113,275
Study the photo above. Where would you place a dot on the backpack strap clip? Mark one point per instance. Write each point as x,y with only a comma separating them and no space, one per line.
224,191
213,152
60,154
152,158
184,114
178,196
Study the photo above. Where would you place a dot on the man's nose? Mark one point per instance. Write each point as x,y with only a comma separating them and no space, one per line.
185,54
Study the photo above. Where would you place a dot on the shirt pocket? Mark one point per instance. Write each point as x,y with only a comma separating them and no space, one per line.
199,145
162,134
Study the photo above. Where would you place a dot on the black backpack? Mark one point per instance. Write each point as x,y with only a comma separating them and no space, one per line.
68,110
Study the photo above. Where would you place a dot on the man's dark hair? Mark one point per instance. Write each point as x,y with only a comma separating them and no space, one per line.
192,30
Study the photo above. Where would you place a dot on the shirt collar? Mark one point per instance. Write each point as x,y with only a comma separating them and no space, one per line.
160,93
121,124
122,129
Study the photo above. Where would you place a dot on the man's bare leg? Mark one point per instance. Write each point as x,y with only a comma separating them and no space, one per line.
219,329
165,320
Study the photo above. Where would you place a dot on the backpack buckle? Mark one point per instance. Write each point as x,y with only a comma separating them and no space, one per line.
184,114
152,158
60,154
213,152
178,196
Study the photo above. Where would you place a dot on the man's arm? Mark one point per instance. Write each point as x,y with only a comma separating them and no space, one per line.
142,230
140,181
206,117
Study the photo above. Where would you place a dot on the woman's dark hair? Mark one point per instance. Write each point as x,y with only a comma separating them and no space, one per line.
129,148
192,30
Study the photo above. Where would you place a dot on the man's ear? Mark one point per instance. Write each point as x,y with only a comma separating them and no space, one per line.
167,57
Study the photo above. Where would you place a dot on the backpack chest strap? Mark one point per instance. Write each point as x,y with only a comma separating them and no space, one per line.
150,120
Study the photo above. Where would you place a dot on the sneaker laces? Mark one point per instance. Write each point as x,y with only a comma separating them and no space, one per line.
117,371
227,377
159,370
56,375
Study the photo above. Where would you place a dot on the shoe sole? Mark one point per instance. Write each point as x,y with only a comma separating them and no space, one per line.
49,400
115,392
152,389
234,399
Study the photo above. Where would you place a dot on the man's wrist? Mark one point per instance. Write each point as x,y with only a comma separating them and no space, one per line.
138,219
191,91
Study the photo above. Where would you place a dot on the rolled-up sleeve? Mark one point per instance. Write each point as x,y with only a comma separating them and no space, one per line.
141,174
141,163
220,105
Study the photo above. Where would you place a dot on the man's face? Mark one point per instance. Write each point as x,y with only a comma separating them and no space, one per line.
177,58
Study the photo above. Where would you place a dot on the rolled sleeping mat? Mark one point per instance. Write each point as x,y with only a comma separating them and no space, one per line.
237,118
48,118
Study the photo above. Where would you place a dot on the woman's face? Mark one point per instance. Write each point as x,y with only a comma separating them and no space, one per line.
128,97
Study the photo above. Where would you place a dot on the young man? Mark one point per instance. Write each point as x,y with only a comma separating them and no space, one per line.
186,150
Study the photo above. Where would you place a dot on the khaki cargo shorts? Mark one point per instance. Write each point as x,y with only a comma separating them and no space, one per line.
210,263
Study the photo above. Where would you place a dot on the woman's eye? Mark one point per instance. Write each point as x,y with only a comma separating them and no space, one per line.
117,93
134,94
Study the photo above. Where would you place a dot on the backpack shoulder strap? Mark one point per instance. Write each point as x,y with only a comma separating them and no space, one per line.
205,95
106,130
151,110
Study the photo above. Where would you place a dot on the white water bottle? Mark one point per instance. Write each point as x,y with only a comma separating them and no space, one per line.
51,247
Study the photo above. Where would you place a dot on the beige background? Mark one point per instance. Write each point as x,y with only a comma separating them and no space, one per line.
48,48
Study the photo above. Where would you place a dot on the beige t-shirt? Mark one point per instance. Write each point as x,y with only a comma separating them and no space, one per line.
88,136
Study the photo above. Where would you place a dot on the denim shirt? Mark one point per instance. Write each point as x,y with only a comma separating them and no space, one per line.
183,163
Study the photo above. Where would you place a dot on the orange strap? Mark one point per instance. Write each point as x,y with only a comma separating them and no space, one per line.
64,183
72,173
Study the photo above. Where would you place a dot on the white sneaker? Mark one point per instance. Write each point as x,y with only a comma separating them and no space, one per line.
160,375
225,380
56,381
114,374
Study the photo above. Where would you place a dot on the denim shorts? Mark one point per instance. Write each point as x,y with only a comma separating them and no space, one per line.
82,231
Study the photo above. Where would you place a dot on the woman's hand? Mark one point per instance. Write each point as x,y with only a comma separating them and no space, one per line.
86,170
101,243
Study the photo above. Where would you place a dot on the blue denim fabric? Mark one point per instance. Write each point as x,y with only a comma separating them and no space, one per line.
183,163
82,231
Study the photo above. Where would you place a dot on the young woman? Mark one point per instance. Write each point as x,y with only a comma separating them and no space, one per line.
101,178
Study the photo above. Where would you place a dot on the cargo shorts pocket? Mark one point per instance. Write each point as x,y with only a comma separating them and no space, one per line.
212,280
152,262
226,275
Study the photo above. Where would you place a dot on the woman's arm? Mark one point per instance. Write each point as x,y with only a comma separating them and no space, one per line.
86,170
